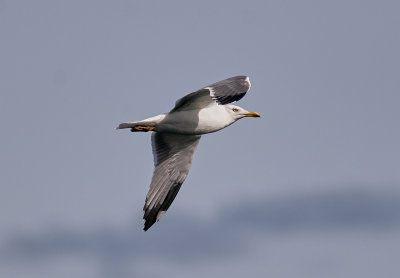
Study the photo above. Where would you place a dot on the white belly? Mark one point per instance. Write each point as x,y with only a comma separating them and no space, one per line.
202,121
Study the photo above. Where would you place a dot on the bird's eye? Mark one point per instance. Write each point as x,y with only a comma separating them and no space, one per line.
235,110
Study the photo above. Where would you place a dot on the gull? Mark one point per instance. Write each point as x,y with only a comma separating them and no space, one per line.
175,136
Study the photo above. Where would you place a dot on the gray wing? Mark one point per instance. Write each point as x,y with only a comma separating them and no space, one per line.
222,92
173,155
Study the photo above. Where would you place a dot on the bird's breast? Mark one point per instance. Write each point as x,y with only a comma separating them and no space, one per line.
196,122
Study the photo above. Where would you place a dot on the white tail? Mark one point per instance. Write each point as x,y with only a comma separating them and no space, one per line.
149,123
127,125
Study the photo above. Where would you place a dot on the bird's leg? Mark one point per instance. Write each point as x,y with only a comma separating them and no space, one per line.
144,128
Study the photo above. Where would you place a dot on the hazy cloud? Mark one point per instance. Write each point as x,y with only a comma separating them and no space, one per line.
185,238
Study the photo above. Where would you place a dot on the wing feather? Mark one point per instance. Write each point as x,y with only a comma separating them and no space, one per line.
229,90
173,155
222,92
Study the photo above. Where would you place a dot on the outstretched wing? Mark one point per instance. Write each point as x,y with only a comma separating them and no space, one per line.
173,155
222,92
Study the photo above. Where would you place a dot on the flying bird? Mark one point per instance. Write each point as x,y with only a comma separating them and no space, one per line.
176,135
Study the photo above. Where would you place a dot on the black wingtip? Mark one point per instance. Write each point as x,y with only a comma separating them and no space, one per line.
148,219
147,225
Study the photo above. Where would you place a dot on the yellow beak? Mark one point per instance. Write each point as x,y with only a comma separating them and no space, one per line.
252,114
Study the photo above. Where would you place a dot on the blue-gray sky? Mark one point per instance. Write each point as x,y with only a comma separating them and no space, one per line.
309,190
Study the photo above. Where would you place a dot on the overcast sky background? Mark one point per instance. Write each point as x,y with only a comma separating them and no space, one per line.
311,189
